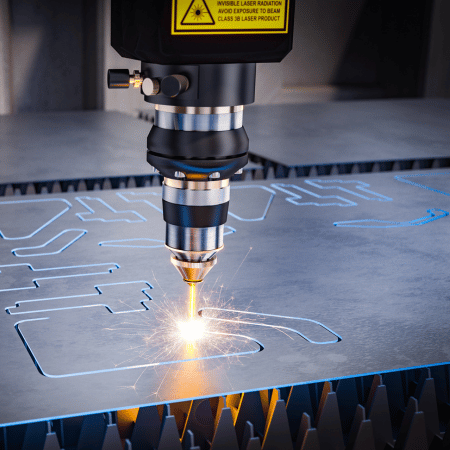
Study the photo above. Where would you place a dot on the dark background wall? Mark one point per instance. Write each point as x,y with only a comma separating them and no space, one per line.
59,53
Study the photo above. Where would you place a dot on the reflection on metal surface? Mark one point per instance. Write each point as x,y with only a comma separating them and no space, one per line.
434,214
55,245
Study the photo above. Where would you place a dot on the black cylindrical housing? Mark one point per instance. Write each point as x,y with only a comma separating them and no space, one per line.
209,84
143,30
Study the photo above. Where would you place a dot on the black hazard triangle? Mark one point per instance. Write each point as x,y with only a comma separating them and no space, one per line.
198,13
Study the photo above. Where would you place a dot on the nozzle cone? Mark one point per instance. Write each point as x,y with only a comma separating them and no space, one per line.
193,272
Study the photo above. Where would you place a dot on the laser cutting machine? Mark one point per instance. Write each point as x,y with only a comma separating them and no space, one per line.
198,67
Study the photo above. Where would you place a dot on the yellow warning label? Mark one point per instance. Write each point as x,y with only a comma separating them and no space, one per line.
229,16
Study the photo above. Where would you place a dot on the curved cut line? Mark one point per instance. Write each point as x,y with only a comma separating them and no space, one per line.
80,235
137,366
278,327
391,224
69,205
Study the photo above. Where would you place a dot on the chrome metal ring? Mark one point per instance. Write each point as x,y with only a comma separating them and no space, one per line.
199,109
198,122
191,197
194,239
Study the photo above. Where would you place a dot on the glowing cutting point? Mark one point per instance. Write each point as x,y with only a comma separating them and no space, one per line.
191,330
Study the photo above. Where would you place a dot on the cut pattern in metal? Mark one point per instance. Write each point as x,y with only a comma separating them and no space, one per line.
297,193
262,199
133,243
434,214
280,323
115,297
105,213
42,334
414,179
144,197
44,210
18,275
54,246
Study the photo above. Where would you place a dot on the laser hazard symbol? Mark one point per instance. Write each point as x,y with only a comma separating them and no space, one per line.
198,13
229,16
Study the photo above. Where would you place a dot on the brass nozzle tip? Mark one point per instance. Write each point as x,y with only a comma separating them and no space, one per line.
193,272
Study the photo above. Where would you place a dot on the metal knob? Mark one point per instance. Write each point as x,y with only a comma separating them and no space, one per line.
174,85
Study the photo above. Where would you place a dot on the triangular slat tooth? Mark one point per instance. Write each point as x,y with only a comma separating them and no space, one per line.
200,421
112,438
299,402
169,438
359,417
326,389
380,417
254,444
92,433
31,189
224,435
9,190
82,186
412,433
428,404
377,381
328,422
147,428
364,439
35,436
311,441
441,378
189,442
416,438
347,397
51,442
56,188
249,434
305,425
277,435
250,409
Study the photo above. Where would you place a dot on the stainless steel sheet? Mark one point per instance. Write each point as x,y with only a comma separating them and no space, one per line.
319,279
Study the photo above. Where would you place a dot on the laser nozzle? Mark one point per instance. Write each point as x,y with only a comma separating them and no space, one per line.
193,272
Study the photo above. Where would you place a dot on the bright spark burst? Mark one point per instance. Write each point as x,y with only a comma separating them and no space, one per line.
173,331
192,330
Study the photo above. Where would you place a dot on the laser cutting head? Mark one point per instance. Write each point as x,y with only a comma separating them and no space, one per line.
195,213
199,77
